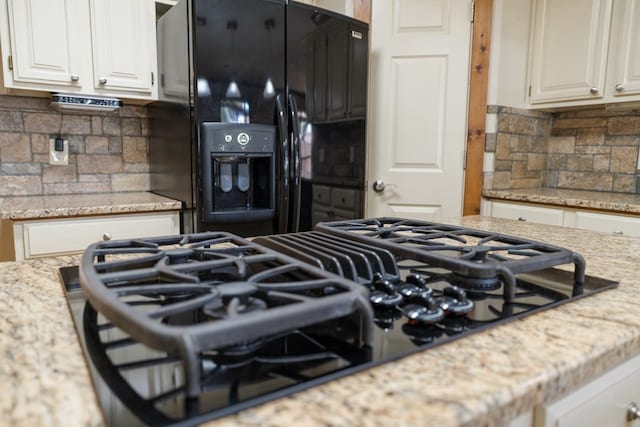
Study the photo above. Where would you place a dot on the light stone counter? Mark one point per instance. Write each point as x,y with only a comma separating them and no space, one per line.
487,378
68,205
615,202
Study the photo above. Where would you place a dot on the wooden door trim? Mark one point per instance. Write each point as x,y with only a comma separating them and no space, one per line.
478,88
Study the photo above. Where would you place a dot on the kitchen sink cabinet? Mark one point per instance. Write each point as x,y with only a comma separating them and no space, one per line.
584,53
588,220
48,237
90,47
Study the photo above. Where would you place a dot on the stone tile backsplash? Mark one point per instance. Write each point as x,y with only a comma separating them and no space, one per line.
581,150
107,150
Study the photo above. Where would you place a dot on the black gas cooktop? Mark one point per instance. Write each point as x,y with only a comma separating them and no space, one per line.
183,329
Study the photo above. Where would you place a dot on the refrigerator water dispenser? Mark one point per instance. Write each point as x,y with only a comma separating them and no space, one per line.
238,165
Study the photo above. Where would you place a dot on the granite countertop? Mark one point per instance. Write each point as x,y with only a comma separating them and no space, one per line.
614,202
68,205
487,378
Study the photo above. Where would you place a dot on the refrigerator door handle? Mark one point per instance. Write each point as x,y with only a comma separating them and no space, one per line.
295,166
284,161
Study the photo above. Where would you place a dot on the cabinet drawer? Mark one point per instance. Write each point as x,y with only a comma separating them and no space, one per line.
344,198
527,213
48,237
618,224
322,194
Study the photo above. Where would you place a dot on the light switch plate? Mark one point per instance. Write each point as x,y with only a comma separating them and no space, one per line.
58,157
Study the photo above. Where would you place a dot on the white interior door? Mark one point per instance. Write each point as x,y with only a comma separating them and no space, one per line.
417,132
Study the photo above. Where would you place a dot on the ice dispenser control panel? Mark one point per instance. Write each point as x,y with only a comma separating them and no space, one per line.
241,140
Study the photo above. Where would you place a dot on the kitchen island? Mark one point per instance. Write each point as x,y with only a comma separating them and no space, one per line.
488,378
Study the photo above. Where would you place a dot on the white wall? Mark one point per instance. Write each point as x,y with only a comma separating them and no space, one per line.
509,50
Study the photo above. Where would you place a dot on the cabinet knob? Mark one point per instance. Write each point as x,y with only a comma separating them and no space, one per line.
633,412
75,77
106,236
521,218
594,90
619,88
102,81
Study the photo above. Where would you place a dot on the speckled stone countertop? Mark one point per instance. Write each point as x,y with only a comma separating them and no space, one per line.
615,202
485,379
33,207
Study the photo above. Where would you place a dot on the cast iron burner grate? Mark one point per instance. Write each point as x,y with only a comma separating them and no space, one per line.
480,260
212,296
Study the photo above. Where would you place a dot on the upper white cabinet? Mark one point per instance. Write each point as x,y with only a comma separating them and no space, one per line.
569,50
625,50
584,52
93,47
123,35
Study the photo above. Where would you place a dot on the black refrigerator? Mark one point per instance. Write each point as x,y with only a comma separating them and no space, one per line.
261,118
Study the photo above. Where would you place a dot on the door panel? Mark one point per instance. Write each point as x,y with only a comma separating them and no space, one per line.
419,78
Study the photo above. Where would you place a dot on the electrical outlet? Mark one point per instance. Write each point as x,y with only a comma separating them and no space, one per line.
58,157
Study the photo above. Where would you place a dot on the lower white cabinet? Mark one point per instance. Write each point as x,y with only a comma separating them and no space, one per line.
530,213
46,237
608,222
604,401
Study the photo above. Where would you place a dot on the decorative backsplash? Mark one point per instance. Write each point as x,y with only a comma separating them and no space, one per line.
107,151
580,150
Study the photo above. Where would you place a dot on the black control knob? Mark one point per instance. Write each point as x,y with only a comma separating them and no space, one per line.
427,311
454,300
384,293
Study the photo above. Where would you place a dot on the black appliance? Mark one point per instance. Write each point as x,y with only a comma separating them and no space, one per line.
183,329
260,123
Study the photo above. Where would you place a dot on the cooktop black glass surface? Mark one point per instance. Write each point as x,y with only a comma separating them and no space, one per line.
183,329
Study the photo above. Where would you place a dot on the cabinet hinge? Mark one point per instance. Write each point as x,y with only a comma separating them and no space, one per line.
152,79
10,62
473,10
529,90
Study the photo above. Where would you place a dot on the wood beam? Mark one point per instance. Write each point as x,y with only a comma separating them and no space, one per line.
478,88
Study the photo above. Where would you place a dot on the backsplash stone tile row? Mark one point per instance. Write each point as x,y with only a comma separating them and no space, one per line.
580,150
107,150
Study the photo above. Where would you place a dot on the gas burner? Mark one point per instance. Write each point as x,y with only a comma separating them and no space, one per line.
480,256
213,292
475,284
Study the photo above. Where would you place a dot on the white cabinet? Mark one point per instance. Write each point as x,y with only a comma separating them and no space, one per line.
123,45
524,212
602,402
625,50
584,52
47,237
569,51
43,48
93,47
588,220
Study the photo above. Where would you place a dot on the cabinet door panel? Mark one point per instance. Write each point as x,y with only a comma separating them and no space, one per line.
358,65
627,49
337,63
569,49
123,44
42,45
